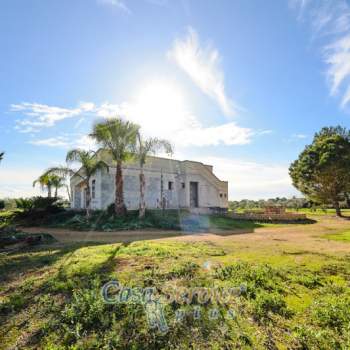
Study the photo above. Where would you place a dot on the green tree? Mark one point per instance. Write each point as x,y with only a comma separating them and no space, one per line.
57,182
46,182
118,137
89,165
322,171
65,173
144,148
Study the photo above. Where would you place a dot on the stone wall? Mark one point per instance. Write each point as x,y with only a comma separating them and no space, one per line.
211,191
268,217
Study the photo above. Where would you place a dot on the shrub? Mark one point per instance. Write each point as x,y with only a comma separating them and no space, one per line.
255,277
24,203
2,204
39,204
310,338
332,312
269,303
37,210
186,270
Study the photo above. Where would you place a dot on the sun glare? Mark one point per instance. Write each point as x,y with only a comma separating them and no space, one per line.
159,100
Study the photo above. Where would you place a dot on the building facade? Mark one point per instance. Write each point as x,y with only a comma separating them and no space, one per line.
181,184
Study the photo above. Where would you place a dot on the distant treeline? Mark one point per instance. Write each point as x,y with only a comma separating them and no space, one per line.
290,203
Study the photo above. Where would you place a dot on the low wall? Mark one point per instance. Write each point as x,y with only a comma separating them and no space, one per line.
268,217
209,211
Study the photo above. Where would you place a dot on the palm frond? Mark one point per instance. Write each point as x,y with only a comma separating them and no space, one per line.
62,171
116,135
151,146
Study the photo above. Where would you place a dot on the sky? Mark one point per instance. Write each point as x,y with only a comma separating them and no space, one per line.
242,85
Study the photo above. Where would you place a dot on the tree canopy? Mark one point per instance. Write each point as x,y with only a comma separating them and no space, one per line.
322,171
118,137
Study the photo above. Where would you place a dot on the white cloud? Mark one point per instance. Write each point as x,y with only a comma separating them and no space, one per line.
66,141
39,116
252,180
202,65
161,111
299,136
330,19
338,58
116,3
159,108
59,141
227,134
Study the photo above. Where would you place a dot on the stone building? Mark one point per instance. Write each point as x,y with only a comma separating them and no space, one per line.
186,184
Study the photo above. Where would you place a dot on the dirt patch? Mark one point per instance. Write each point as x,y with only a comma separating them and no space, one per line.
301,237
138,263
64,235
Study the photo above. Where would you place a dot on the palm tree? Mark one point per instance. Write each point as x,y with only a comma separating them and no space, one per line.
45,181
57,182
1,155
64,172
145,148
90,164
119,138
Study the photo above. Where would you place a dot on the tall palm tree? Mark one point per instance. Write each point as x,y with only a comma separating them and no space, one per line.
119,138
90,164
2,155
144,148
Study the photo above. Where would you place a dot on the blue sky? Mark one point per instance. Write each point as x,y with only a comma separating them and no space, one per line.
242,85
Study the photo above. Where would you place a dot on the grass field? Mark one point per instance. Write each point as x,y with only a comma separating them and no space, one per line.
293,283
340,236
318,211
308,211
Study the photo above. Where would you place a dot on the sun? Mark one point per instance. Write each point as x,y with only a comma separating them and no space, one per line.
161,100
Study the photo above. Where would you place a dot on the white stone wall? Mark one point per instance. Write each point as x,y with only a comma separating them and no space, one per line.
211,191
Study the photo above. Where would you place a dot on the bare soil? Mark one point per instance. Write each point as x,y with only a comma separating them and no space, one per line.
303,237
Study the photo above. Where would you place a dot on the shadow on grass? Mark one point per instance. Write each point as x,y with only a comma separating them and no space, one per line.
31,259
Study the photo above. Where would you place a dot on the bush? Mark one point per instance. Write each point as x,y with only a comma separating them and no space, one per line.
255,277
310,338
2,204
269,303
37,210
39,204
332,312
24,203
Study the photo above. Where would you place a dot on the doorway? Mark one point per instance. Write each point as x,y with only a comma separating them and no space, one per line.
194,194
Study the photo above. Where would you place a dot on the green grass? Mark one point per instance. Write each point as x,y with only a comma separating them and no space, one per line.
293,299
307,211
340,236
319,211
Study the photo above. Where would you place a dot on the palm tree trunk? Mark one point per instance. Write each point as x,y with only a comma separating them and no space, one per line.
120,209
49,191
56,189
88,199
142,210
69,194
